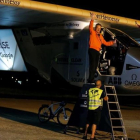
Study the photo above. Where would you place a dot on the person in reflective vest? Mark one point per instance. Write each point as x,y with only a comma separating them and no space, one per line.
95,102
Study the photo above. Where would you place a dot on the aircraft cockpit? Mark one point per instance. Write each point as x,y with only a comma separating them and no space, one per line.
112,58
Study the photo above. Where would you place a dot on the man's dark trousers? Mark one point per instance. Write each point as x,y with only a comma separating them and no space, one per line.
93,63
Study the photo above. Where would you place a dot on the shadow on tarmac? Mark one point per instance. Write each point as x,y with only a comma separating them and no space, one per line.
30,118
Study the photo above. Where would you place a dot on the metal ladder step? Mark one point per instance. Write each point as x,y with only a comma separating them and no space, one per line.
115,110
113,102
120,135
116,118
117,126
111,94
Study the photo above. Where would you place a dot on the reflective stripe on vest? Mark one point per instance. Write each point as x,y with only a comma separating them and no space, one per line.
94,98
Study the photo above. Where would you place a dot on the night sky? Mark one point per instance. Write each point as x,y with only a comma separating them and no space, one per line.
130,9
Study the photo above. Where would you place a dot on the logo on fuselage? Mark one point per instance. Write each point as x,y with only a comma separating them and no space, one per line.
133,81
115,80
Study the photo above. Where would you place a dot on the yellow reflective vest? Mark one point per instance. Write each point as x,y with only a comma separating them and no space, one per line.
94,98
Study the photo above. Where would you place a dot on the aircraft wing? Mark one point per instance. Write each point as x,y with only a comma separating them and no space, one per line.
26,13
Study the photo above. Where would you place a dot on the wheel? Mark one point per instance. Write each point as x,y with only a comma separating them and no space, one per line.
44,113
62,117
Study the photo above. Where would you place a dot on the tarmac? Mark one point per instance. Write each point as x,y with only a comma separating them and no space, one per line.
19,121
19,107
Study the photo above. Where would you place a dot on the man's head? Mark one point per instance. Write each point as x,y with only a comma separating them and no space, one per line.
98,83
98,28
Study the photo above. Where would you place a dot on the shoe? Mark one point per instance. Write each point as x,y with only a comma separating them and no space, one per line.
85,137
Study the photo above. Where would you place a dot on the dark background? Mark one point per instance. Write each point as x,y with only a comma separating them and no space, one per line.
129,9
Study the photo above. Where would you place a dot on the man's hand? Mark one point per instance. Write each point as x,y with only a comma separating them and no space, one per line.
115,41
93,16
106,98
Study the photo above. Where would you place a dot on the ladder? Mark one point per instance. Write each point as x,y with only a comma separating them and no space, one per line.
116,120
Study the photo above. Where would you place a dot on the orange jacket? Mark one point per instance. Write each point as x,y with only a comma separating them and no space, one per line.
95,40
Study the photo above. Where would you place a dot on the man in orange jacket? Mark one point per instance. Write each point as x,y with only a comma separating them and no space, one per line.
95,41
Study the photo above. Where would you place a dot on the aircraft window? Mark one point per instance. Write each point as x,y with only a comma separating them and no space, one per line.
124,38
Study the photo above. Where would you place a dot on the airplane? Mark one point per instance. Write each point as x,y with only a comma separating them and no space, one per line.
53,41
